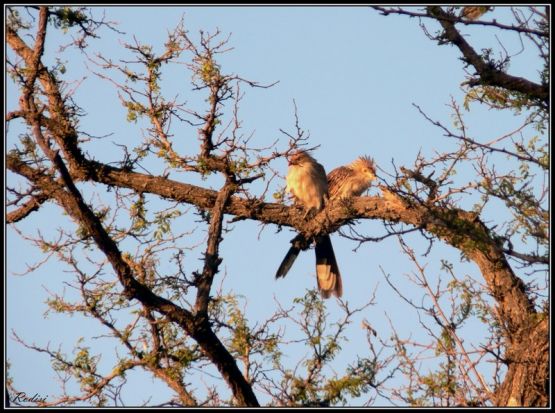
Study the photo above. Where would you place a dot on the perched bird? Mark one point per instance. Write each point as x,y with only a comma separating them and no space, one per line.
307,182
351,180
474,12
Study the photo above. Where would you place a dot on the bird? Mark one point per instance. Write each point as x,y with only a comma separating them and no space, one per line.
351,180
474,12
307,182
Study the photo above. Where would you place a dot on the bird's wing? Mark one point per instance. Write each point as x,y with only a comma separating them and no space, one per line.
320,169
321,177
336,179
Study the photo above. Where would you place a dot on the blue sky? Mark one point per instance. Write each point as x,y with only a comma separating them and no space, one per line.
354,76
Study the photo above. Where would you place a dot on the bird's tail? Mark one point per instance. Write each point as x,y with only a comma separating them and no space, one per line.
288,261
297,244
327,270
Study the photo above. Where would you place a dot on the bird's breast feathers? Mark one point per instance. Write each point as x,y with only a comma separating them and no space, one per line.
308,184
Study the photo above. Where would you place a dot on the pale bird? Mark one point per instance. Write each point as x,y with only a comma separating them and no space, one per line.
307,182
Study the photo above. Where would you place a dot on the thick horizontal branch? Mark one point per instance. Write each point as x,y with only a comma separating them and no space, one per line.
190,194
458,228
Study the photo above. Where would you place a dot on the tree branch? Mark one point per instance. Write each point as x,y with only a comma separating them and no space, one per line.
197,327
23,211
530,258
489,75
467,22
458,228
211,258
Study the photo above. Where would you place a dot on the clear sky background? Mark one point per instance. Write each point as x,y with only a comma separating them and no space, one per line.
354,76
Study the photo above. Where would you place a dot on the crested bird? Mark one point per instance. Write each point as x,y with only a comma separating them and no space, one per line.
351,180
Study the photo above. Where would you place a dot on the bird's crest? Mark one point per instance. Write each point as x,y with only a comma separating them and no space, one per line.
364,162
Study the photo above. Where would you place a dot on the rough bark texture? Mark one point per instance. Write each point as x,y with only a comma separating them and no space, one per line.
527,380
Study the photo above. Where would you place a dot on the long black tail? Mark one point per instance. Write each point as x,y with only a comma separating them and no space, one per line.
297,244
288,261
327,270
